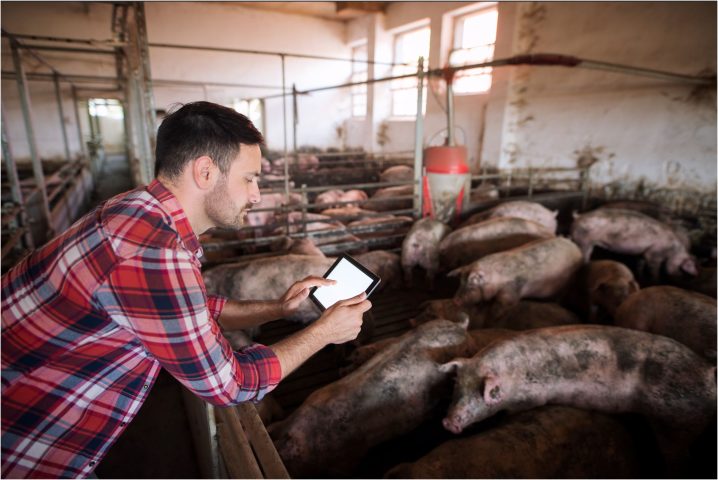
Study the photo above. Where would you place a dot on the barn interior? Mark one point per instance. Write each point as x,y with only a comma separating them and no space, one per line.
376,116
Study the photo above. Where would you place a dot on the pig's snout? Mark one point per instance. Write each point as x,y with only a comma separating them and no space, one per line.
453,424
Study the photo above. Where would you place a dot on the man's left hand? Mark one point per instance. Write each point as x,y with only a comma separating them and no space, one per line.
298,292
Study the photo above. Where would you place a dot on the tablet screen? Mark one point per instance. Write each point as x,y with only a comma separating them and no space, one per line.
352,279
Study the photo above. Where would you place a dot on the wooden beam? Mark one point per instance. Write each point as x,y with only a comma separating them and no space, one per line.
353,8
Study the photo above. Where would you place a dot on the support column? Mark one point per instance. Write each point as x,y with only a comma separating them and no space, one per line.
29,129
58,95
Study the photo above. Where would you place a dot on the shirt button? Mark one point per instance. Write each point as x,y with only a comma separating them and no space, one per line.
92,464
145,387
123,424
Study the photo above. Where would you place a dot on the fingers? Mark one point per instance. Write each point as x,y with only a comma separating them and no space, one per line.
351,301
312,281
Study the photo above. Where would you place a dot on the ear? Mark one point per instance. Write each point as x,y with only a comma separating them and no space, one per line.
575,214
492,390
463,320
689,266
457,272
451,366
555,213
633,287
203,172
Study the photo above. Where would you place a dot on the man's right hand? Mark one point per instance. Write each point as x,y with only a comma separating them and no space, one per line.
342,321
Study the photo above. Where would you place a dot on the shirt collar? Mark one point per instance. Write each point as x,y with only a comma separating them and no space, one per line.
181,222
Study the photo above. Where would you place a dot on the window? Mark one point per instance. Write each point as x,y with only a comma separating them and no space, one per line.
253,109
408,47
359,74
105,107
474,40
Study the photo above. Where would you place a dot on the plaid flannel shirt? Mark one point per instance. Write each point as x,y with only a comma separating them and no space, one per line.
89,319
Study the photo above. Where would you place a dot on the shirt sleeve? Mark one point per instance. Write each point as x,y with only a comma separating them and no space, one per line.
160,297
215,304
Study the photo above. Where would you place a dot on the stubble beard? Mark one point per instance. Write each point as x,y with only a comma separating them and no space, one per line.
221,210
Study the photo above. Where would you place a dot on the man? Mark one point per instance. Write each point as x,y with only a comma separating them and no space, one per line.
90,318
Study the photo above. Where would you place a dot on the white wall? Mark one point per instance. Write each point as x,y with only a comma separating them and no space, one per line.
638,130
232,26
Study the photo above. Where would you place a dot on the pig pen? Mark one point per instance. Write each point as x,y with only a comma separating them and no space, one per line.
392,311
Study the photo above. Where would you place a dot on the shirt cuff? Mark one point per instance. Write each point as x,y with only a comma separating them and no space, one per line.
266,369
215,304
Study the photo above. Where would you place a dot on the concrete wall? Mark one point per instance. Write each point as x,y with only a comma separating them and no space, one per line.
636,130
659,135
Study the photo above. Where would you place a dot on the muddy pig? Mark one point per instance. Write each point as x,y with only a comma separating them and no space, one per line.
594,367
688,317
468,244
519,209
546,442
540,269
398,173
389,395
601,286
387,265
421,248
481,337
633,233
268,279
391,198
524,315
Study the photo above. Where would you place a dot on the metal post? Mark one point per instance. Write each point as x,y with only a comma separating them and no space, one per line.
419,140
27,118
295,115
584,189
58,94
449,114
11,172
531,182
304,210
75,103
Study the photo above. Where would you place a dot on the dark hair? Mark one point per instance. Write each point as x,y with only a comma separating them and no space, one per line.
202,128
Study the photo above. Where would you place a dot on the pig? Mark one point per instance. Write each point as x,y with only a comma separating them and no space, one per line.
660,213
606,284
398,173
468,244
387,198
267,278
389,395
381,226
523,316
688,317
484,192
344,214
594,367
547,442
481,338
633,233
271,200
539,269
387,265
519,209
314,222
299,246
354,196
421,248
330,197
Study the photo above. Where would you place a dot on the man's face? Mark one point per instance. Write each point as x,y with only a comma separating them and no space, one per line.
234,194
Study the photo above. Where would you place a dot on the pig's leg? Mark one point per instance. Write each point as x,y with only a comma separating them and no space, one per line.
654,260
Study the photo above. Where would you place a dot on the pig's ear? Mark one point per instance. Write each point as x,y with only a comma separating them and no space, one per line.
476,278
689,266
575,214
633,287
555,213
463,319
456,272
492,390
451,366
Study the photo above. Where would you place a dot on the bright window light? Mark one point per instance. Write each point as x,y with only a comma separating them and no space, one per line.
408,47
359,74
474,41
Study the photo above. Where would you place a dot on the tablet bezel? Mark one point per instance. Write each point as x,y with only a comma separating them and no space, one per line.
374,277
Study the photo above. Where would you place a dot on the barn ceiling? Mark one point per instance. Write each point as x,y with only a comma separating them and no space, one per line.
329,10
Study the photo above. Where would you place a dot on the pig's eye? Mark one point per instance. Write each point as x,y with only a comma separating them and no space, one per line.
474,280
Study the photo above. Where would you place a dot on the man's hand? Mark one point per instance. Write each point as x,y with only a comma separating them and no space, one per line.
297,293
342,321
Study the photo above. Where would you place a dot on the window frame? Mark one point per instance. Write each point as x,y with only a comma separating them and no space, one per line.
399,70
359,74
457,38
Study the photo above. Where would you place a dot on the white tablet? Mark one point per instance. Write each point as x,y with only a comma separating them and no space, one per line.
352,278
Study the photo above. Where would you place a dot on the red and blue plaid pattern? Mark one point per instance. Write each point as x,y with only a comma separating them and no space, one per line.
90,318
